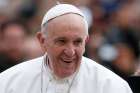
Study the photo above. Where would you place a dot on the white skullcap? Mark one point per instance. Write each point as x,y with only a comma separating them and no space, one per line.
62,9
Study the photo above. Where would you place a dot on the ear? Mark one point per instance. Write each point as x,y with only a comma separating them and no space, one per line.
41,38
87,39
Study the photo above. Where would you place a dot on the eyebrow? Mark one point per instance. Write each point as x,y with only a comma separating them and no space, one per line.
60,38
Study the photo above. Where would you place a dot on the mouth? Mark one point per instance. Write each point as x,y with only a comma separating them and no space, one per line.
67,63
67,60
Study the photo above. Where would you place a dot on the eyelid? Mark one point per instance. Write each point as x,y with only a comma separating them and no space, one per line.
79,41
60,41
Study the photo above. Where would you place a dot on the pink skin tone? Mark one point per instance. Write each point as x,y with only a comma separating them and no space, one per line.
64,41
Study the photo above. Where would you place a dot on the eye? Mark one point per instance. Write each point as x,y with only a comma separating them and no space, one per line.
60,42
78,42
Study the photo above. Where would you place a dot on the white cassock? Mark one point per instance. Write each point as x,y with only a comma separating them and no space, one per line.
34,77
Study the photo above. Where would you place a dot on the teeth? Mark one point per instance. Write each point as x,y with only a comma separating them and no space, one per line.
67,61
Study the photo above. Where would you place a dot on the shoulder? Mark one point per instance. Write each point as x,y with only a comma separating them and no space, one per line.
20,75
103,78
93,67
25,68
101,73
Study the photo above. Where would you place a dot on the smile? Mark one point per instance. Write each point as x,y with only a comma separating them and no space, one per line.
68,61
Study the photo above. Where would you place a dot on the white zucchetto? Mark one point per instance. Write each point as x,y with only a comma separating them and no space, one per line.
59,10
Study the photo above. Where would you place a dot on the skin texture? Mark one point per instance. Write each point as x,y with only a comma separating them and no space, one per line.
64,40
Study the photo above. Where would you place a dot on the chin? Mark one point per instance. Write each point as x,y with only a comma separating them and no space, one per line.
69,72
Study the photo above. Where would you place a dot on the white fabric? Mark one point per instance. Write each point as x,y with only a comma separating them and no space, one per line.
91,78
60,10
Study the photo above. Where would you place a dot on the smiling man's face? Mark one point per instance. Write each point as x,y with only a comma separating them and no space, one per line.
65,43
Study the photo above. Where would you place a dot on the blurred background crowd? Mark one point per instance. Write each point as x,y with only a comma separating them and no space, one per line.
114,29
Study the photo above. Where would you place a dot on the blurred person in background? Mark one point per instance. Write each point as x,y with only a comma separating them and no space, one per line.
124,36
123,63
13,34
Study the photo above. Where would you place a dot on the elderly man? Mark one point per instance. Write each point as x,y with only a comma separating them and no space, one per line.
62,69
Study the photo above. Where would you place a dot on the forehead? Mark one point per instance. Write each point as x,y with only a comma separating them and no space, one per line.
73,23
66,17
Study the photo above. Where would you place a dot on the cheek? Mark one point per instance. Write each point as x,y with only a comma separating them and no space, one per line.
80,51
54,52
48,47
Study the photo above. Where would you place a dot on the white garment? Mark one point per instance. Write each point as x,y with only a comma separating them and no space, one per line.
32,76
62,9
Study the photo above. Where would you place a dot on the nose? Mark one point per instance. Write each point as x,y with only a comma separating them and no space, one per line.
69,51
